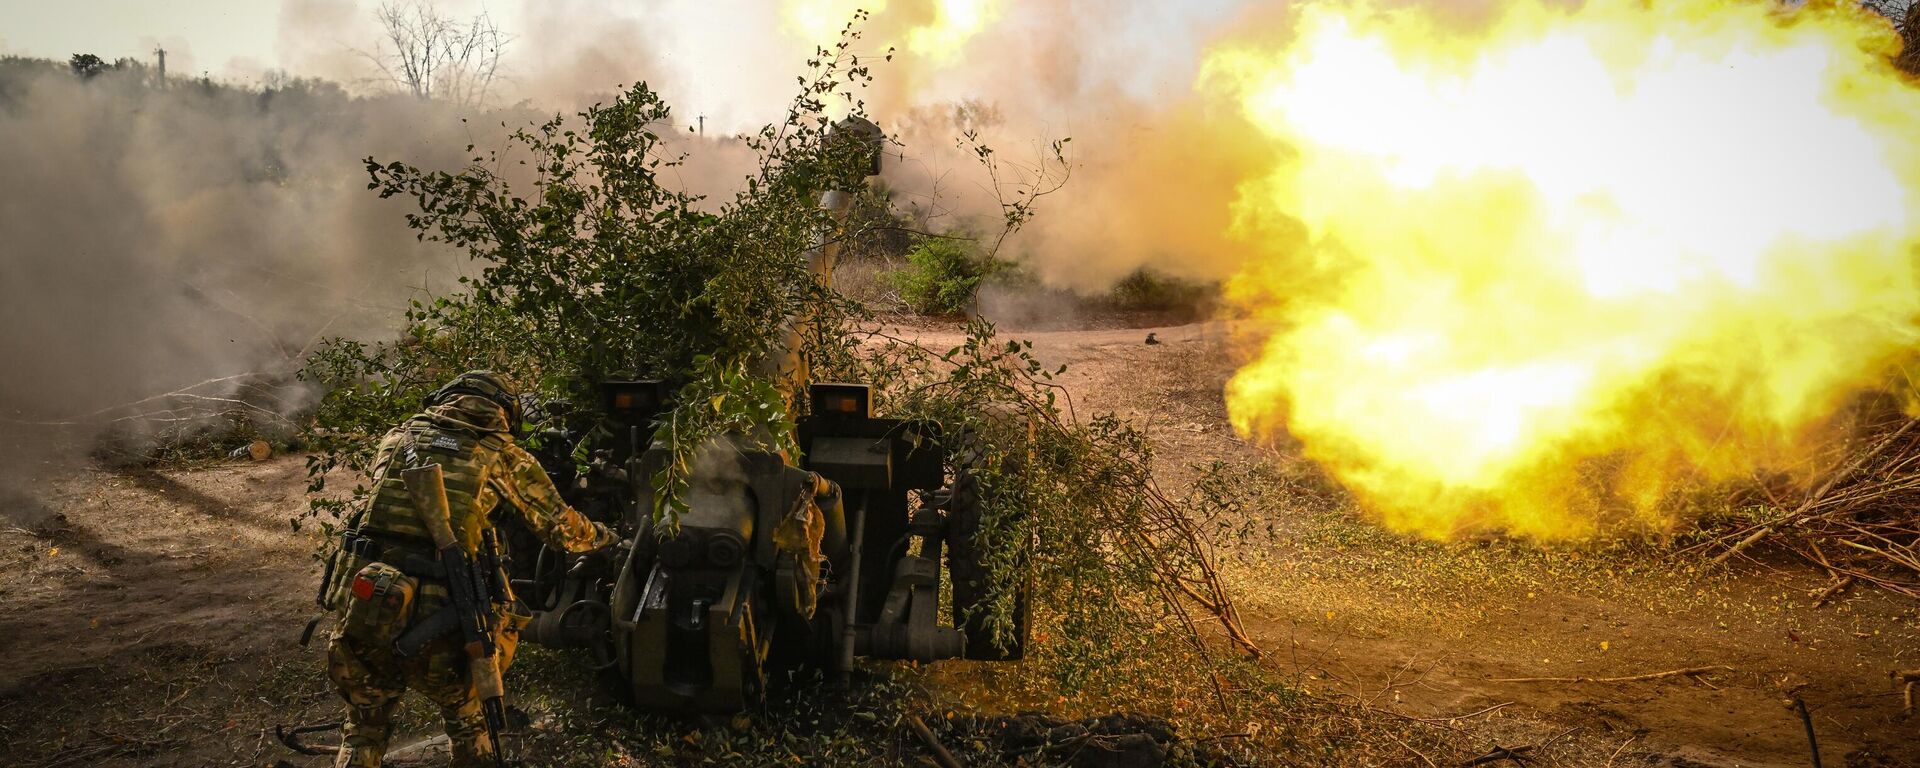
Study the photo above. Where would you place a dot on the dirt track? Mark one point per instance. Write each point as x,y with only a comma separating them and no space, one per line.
149,618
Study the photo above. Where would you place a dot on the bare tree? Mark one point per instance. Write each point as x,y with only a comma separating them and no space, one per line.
1905,15
1909,27
433,55
1894,10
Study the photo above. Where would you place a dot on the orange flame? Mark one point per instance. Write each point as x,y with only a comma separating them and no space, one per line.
937,30
1531,274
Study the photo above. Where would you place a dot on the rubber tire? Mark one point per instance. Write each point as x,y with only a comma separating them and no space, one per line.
967,569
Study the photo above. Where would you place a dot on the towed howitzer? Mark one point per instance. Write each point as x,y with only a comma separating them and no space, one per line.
778,564
472,589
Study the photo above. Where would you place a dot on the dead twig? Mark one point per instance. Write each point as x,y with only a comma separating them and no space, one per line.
1817,496
1446,721
1861,521
92,417
1807,720
1559,736
291,738
110,745
1499,753
1907,680
1839,585
1623,748
1688,672
940,753
1417,753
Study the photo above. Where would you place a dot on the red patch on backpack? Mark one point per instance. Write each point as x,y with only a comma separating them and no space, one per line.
363,587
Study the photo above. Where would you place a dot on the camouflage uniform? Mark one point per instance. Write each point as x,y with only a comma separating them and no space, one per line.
468,436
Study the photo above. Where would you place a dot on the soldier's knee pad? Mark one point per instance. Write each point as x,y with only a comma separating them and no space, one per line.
372,720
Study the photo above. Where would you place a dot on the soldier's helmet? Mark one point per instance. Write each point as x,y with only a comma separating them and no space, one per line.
485,384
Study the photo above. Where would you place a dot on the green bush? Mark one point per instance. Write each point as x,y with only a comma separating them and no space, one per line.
600,271
941,275
1151,291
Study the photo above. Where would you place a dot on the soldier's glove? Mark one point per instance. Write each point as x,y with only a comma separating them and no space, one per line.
597,561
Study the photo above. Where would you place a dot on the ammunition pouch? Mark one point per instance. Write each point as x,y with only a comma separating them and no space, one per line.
342,566
360,549
329,596
378,603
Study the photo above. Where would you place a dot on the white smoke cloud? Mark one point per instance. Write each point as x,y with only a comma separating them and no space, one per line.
1116,77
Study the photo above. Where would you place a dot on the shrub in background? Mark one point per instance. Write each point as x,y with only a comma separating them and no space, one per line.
1151,291
942,274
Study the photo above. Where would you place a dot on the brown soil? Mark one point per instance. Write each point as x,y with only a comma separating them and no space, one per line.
151,618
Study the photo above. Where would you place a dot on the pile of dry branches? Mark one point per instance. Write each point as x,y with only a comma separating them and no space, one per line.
1860,520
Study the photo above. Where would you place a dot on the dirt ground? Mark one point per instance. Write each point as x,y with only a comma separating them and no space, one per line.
151,618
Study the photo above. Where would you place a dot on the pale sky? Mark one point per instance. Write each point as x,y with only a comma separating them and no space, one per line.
721,58
210,36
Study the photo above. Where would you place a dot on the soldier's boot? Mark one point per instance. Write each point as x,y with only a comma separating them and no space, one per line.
467,735
473,752
364,737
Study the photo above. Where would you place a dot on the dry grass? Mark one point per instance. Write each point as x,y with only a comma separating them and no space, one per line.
865,281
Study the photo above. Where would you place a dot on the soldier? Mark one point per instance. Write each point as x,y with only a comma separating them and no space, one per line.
384,578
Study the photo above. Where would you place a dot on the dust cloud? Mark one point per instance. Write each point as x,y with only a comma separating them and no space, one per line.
1146,185
172,238
175,249
1152,168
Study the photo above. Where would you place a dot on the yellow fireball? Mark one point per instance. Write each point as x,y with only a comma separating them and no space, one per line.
936,30
1532,272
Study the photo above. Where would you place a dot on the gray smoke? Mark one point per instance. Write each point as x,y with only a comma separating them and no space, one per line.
1152,182
190,236
200,238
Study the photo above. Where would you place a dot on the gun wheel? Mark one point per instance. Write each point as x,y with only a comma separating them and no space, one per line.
968,561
